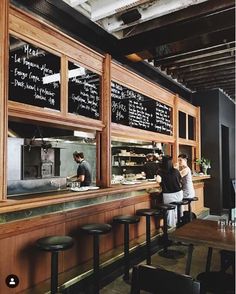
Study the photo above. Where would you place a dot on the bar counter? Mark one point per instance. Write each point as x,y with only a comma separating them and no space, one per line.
24,206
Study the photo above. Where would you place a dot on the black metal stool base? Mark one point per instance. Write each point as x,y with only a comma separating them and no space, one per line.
171,254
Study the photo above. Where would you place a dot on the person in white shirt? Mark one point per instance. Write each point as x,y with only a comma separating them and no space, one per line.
186,174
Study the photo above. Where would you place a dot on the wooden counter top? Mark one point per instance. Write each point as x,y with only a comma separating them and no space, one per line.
22,202
201,177
38,200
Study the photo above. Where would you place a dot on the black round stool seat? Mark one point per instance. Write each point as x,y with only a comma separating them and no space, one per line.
97,229
55,243
147,212
126,219
190,199
166,206
182,202
216,282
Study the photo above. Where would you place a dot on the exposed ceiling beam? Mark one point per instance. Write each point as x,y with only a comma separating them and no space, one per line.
74,3
199,58
211,81
207,71
200,67
202,52
205,62
216,80
209,6
179,31
194,45
154,9
219,85
223,74
105,8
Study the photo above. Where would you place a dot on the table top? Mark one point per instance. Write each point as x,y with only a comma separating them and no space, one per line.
205,232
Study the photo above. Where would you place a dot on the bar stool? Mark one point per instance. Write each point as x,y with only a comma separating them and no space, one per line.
126,220
179,204
96,230
165,252
148,213
54,244
188,215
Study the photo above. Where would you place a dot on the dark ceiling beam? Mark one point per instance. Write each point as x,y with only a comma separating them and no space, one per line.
194,44
213,75
209,79
199,61
230,88
192,11
196,60
199,68
205,72
223,48
211,82
219,84
179,31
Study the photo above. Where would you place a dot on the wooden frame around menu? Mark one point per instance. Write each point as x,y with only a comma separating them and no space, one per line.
24,25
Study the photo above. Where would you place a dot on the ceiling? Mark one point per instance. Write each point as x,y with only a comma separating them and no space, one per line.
189,41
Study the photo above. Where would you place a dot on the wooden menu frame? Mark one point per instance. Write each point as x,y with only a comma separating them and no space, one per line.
23,25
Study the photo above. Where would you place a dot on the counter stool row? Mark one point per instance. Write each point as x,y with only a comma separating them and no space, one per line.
55,244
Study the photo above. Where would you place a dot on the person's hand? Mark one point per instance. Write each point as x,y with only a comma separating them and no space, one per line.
176,165
158,179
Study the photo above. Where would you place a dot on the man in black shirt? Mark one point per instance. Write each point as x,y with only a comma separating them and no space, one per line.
84,173
150,168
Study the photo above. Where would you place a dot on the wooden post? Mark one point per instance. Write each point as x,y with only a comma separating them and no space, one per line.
105,142
64,85
198,132
176,128
4,40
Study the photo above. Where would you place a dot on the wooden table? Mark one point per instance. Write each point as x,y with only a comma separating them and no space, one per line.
207,233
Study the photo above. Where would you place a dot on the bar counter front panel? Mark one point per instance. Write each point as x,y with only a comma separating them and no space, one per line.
19,230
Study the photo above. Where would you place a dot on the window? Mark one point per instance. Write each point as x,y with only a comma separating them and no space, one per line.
40,158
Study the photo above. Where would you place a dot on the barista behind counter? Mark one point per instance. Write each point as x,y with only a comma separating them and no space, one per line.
151,167
84,173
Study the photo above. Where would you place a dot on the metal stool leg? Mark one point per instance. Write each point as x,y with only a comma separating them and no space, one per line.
178,216
190,211
148,239
96,263
168,253
165,231
126,251
54,272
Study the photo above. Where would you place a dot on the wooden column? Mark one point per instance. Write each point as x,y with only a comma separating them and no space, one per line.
198,132
64,85
105,142
4,40
176,128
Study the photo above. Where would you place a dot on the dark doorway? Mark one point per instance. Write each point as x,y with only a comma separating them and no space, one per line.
225,167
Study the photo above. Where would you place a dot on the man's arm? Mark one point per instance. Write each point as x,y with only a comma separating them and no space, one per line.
81,173
184,172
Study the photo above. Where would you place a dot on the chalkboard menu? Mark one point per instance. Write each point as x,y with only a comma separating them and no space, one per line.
83,91
34,75
136,110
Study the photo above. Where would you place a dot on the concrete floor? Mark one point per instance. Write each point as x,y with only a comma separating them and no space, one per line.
118,286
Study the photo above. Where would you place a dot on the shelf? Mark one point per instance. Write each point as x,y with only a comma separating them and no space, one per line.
127,165
141,156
